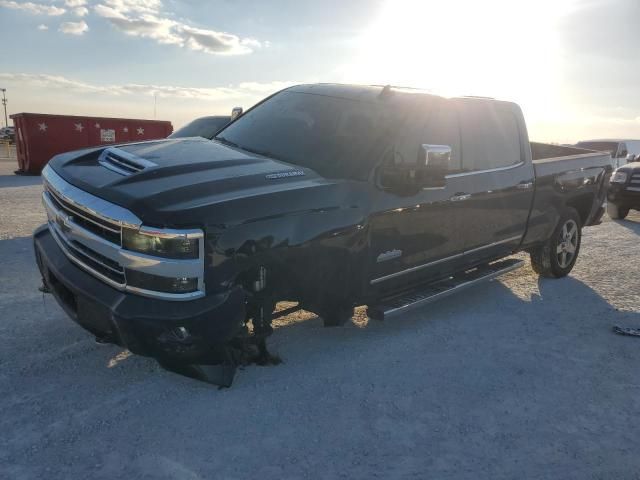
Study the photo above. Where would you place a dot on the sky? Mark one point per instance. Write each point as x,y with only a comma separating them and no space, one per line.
572,65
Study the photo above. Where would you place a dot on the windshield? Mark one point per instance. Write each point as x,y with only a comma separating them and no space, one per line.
205,127
610,147
336,137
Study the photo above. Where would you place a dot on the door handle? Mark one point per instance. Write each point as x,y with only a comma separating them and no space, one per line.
524,185
459,197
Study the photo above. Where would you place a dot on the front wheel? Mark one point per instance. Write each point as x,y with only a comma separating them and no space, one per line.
558,255
616,212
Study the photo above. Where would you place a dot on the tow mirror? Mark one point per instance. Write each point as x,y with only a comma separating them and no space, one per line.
435,156
428,171
433,165
236,112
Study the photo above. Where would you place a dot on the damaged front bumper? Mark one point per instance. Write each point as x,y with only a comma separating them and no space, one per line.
194,331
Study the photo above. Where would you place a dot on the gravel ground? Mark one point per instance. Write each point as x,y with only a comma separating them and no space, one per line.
518,378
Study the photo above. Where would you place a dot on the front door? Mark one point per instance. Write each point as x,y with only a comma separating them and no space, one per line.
418,237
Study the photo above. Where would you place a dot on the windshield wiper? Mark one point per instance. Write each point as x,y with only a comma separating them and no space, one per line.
228,142
261,152
246,149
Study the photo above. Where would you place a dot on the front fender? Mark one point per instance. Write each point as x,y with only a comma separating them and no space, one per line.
310,256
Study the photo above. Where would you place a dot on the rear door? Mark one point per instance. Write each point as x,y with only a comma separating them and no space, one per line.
496,186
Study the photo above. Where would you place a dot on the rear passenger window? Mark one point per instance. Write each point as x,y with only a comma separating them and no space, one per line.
490,135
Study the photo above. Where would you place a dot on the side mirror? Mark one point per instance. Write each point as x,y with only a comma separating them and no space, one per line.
631,158
236,112
433,165
435,156
428,171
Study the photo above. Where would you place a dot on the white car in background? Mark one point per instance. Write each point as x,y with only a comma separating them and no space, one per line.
622,151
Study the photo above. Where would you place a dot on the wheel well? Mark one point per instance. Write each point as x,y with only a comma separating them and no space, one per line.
582,204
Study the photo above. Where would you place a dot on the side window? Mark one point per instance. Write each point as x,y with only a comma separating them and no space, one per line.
490,135
436,124
622,150
443,129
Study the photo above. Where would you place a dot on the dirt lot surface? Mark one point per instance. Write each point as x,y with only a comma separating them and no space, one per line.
518,378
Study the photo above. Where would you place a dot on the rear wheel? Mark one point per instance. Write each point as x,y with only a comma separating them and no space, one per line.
616,212
558,255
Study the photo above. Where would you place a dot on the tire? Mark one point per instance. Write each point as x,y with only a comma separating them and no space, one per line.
616,212
556,257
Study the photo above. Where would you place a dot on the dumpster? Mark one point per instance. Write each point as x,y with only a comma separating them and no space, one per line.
41,136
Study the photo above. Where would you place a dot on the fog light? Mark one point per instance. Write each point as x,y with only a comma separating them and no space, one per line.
157,283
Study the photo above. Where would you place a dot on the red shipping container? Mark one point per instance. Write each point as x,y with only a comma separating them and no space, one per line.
40,136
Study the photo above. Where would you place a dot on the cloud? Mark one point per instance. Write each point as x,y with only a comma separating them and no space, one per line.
80,11
75,3
42,26
125,6
242,90
143,18
74,28
33,8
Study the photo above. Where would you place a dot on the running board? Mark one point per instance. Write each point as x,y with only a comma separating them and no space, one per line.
435,291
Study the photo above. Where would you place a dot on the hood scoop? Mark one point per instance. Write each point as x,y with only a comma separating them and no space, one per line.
122,162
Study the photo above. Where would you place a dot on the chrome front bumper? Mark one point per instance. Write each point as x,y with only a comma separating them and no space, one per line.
88,230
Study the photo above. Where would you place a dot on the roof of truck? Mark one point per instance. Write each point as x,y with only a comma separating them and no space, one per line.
356,92
377,92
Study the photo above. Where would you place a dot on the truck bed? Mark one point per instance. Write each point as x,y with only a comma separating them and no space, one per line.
555,159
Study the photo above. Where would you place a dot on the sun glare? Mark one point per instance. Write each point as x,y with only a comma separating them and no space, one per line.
502,48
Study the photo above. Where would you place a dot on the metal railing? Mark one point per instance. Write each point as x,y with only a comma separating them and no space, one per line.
7,150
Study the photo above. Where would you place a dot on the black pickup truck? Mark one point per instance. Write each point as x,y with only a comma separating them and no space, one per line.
624,191
331,196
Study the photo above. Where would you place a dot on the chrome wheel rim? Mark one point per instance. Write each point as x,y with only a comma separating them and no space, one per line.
567,244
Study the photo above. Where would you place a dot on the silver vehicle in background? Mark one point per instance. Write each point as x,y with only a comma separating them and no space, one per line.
622,151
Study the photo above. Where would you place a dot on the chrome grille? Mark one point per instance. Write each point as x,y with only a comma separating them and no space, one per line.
634,182
88,230
104,228
96,262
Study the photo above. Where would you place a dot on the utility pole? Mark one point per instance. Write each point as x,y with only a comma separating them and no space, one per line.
4,104
155,100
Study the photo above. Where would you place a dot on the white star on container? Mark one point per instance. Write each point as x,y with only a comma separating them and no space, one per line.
79,127
42,127
125,129
140,131
97,125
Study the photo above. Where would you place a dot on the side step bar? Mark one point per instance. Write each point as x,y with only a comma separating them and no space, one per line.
435,291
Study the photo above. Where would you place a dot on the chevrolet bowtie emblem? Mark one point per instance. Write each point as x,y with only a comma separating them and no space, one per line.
63,223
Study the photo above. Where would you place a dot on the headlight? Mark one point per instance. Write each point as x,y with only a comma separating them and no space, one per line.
168,245
619,177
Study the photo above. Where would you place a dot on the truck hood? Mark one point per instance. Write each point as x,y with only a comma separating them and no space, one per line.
179,178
